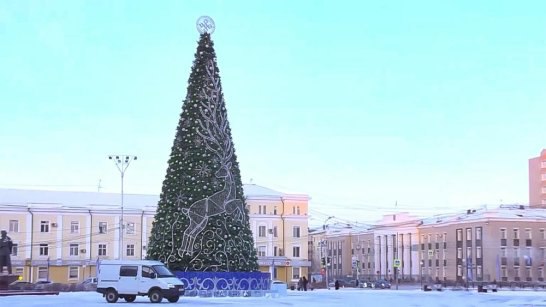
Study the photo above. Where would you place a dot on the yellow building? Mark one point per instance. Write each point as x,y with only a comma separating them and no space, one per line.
60,236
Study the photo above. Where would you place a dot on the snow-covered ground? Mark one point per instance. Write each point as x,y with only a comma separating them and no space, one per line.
317,298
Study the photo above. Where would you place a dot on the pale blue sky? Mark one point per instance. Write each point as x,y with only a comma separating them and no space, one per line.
357,103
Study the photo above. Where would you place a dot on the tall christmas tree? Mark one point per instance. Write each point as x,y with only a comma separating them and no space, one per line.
201,223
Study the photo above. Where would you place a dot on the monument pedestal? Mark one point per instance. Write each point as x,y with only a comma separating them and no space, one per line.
5,280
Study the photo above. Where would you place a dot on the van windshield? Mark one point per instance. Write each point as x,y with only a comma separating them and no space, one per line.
162,271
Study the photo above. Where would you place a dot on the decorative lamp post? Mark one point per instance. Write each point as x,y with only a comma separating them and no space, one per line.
122,163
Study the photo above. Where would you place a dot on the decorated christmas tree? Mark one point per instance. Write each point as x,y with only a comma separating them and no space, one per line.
201,223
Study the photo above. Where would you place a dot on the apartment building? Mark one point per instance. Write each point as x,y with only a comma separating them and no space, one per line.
537,181
279,223
60,236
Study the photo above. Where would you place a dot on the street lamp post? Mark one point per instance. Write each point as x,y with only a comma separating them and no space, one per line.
122,163
322,243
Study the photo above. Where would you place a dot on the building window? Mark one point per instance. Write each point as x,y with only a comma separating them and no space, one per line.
102,249
528,233
74,249
13,226
503,252
444,237
298,210
504,272
459,252
516,233
541,272
261,231
478,251
74,227
130,230
296,251
459,234
503,233
44,226
516,272
15,250
459,270
275,210
295,273
528,273
516,252
44,250
130,249
261,251
19,271
73,272
479,271
275,234
103,227
42,273
478,233
444,273
469,234
294,210
429,238
469,252
296,231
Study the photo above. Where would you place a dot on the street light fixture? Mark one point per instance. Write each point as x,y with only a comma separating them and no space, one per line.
122,163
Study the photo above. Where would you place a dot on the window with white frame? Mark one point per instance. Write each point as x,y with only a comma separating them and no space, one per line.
73,272
274,210
469,252
261,250
478,251
459,252
444,272
429,238
528,273
516,252
261,231
74,249
130,228
479,271
516,233
296,231
265,209
503,233
295,273
102,250
516,272
296,251
459,270
44,226
541,272
528,233
504,272
423,239
42,273
298,212
130,250
13,225
542,253
444,237
437,272
74,227
503,252
469,234
14,249
44,250
103,227
294,210
478,233
275,233
459,234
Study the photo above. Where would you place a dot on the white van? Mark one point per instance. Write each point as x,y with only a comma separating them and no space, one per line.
128,278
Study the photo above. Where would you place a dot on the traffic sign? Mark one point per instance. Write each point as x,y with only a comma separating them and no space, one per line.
397,263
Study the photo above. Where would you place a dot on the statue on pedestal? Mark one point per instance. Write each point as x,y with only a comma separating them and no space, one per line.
5,252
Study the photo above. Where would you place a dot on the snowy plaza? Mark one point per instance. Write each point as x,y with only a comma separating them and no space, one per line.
317,298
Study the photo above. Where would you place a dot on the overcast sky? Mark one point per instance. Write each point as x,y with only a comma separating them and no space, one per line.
360,104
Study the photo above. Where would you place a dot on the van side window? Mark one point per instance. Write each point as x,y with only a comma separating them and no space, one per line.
128,271
147,271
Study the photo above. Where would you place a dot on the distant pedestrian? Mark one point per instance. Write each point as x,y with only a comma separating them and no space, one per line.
336,284
300,284
5,252
304,282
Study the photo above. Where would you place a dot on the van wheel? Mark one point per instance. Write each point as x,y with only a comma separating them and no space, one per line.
155,296
173,299
111,296
130,298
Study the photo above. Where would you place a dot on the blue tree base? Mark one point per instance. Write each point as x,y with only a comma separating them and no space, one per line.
222,284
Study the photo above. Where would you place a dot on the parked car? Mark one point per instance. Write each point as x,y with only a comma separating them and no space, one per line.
42,284
89,284
381,284
21,285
